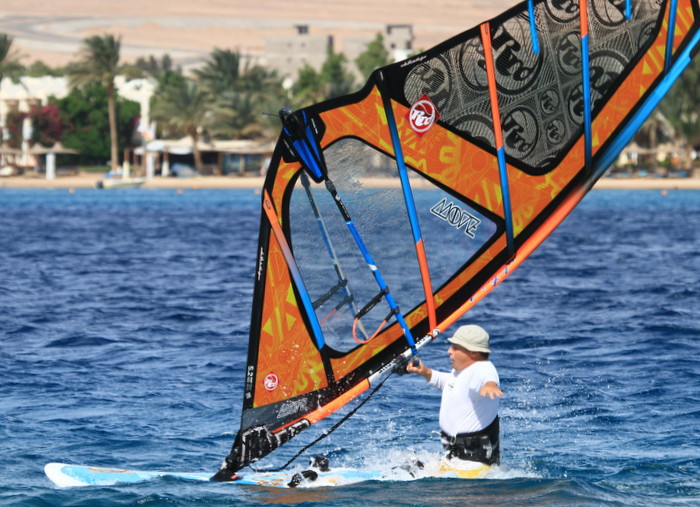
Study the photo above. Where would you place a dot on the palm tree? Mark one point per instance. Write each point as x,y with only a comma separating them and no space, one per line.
9,60
655,128
240,93
100,62
183,105
221,72
238,117
333,80
333,72
309,87
373,57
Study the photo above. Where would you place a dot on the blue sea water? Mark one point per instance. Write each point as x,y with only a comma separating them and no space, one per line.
123,334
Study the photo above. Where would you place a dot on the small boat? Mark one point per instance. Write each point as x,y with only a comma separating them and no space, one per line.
120,183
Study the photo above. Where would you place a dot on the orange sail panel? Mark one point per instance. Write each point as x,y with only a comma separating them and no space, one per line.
496,124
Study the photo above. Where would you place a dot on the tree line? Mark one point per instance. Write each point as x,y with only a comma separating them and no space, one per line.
228,96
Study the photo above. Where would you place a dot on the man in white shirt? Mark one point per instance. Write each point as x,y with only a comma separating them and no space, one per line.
470,392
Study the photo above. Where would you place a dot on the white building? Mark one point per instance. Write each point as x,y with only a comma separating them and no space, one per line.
20,96
29,91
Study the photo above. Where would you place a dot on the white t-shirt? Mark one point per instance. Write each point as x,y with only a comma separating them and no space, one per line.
463,409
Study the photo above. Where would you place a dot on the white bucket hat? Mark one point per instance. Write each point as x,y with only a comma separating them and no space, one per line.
472,337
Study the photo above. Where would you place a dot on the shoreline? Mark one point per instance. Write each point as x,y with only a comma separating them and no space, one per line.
89,180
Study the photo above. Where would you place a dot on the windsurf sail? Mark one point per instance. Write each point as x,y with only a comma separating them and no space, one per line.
389,213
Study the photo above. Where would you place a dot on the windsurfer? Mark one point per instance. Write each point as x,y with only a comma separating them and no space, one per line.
470,398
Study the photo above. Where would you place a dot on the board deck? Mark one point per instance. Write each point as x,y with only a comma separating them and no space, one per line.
66,475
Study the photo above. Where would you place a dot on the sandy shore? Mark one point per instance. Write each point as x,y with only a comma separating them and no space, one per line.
89,180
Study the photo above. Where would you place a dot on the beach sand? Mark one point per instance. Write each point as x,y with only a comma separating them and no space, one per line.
89,180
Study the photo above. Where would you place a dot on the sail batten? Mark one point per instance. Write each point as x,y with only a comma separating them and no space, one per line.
294,270
586,84
451,168
533,27
411,208
498,136
671,34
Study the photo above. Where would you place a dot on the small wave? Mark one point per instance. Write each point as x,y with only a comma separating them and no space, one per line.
79,341
23,329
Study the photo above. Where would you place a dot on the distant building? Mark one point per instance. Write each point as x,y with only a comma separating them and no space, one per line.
287,54
398,41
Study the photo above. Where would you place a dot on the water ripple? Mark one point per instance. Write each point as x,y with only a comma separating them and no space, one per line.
124,327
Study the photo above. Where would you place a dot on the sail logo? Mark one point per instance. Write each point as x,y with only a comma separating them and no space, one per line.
291,408
271,382
249,381
456,217
261,262
422,115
